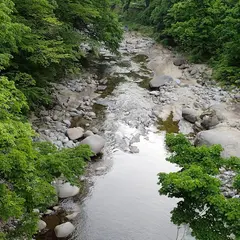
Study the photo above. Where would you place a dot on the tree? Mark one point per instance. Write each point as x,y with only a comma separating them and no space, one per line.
27,168
209,214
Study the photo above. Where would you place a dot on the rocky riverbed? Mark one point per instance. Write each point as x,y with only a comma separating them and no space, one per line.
112,105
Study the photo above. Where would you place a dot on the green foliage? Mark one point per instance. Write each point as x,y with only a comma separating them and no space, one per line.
27,168
40,40
209,214
208,30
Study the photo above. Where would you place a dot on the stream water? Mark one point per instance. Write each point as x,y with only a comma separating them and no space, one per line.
123,202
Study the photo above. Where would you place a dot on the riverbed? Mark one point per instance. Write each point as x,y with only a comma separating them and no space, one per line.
122,200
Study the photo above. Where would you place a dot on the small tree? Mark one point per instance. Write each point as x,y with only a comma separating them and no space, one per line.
209,214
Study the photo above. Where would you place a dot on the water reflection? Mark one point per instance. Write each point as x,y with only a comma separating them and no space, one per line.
125,204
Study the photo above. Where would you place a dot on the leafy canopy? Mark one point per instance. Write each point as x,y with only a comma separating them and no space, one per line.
209,214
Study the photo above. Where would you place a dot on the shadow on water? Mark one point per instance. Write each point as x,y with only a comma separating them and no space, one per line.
112,82
168,125
139,58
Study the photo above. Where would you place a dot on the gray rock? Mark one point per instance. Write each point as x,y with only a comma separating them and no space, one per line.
69,144
47,119
228,137
211,118
189,114
55,117
92,114
67,122
49,212
134,149
183,66
72,216
100,169
79,89
95,130
75,133
101,87
86,98
43,113
56,208
64,230
65,190
41,225
159,81
58,144
88,133
95,142
179,61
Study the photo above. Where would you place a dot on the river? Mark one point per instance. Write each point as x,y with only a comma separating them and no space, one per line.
121,201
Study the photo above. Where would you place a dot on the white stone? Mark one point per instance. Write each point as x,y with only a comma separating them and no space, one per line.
49,212
88,133
67,122
56,208
75,133
66,190
95,142
41,225
64,230
72,216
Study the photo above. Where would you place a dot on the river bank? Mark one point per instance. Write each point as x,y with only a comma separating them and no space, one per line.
114,101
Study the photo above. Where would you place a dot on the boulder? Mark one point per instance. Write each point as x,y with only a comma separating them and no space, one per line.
65,189
159,81
211,118
189,115
88,133
228,137
41,225
95,142
64,230
75,133
179,61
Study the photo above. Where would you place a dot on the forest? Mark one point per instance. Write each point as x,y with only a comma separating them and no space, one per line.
41,42
206,30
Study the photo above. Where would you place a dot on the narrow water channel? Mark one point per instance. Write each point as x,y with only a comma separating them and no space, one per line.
124,203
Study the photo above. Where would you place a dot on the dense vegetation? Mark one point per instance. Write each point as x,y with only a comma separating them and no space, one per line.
40,42
208,30
28,168
209,214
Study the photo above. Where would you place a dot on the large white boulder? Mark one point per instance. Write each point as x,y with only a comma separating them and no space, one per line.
228,137
64,230
95,142
65,189
75,133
